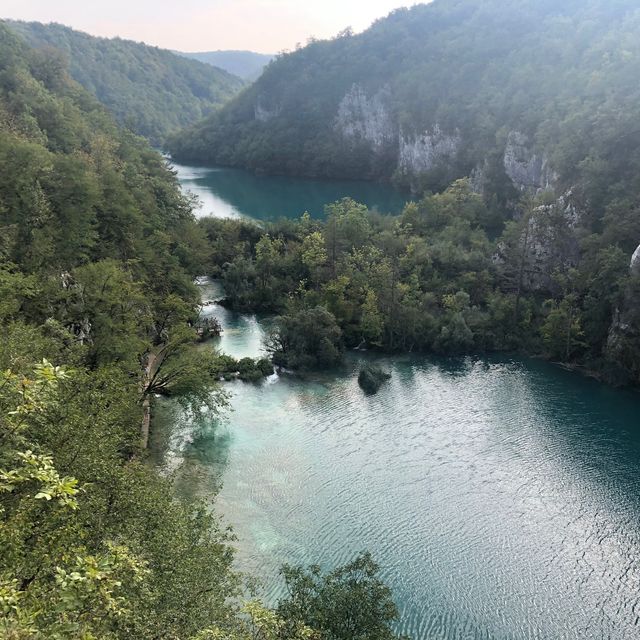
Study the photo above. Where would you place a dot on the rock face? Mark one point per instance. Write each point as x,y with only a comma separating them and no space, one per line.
427,151
527,170
363,118
264,113
371,378
635,262
547,244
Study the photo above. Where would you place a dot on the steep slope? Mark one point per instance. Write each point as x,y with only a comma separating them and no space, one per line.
247,65
532,95
151,91
94,254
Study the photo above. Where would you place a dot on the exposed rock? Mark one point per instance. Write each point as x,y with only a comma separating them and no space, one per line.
427,151
371,378
527,170
363,118
635,262
547,244
263,113
478,179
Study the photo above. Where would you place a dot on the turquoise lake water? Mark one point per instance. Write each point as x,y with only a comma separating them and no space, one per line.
235,193
500,496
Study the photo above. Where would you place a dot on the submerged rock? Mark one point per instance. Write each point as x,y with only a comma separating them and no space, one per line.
371,378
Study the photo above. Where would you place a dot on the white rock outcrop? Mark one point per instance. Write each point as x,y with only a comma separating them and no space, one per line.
527,170
262,112
427,151
366,118
635,262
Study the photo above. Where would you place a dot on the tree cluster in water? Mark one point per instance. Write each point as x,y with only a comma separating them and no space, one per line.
441,278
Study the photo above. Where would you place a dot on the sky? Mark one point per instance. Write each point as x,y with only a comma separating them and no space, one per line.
267,26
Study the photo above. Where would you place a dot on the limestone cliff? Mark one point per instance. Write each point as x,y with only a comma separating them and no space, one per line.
427,151
527,170
361,118
635,262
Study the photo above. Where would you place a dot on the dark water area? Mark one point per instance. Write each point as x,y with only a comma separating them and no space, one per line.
236,193
501,496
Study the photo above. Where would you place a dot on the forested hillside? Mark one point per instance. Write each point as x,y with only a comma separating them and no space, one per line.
98,250
151,91
526,95
247,65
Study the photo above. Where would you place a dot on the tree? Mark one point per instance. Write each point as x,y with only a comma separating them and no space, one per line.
308,339
346,603
562,331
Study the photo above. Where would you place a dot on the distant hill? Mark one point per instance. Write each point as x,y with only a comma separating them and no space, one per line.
151,91
248,65
524,95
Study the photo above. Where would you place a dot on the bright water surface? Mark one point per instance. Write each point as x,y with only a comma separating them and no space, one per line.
500,496
236,193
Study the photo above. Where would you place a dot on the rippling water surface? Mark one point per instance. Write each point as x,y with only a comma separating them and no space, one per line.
501,497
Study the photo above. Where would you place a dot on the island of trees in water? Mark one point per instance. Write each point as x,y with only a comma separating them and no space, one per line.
440,278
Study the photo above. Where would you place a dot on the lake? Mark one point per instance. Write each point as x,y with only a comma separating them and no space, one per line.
501,496
236,193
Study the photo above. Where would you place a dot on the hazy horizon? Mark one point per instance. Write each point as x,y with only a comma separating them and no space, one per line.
264,26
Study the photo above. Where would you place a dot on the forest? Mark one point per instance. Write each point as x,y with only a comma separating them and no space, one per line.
150,91
98,253
440,278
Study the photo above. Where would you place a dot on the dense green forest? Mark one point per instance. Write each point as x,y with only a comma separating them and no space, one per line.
98,250
515,125
532,94
150,91
439,278
247,65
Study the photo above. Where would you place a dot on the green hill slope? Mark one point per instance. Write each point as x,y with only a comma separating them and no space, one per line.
531,95
151,91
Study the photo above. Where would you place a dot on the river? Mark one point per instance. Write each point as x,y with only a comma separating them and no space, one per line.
501,496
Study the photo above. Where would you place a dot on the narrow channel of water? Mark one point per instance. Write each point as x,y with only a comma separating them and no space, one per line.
500,496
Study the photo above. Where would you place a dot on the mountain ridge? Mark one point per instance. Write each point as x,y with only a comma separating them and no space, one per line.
150,90
245,64
505,93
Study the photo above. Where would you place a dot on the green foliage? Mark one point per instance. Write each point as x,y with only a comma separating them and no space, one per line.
346,603
246,369
104,551
150,91
307,339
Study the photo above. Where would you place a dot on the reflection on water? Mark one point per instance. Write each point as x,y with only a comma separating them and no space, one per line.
236,193
501,497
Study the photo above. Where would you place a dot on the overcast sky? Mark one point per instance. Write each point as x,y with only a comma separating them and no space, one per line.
268,26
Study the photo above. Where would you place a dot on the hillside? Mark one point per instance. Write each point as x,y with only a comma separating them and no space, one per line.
98,251
149,90
247,65
529,95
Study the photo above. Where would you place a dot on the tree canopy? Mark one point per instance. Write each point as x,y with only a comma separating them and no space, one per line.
151,91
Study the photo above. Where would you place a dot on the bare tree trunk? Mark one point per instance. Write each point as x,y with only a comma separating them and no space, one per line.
148,375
